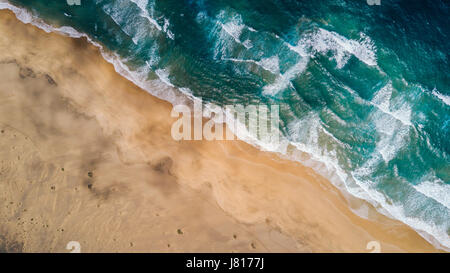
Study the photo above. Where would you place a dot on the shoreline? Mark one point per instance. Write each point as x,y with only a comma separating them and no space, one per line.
244,185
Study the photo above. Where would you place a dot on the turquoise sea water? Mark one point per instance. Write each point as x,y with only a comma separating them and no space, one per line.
364,89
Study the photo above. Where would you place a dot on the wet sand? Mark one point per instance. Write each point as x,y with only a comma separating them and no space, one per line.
87,156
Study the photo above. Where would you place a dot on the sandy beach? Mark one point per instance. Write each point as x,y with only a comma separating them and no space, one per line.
88,156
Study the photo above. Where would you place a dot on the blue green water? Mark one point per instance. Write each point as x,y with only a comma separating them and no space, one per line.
364,89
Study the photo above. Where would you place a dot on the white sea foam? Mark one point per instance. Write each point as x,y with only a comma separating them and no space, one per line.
269,64
322,41
234,30
382,101
232,27
163,74
392,137
27,18
392,126
436,235
142,5
116,14
305,134
436,189
445,99
322,163
138,77
283,81
167,30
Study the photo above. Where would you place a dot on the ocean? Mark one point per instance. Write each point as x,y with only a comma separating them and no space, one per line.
363,89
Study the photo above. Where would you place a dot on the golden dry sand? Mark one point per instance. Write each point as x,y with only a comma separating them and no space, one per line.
87,156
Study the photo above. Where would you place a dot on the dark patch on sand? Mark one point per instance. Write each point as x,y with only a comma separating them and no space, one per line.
55,118
9,245
165,180
26,72
8,61
50,80
164,166
98,188
80,43
107,192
